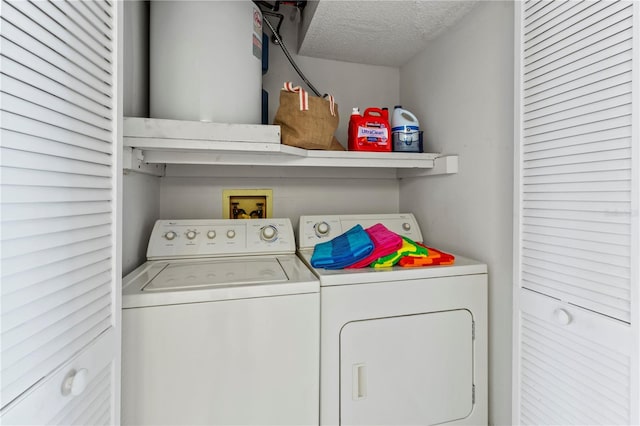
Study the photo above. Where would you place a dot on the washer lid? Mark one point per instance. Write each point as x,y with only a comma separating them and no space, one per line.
158,283
192,275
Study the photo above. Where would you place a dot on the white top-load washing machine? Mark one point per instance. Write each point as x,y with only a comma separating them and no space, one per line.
220,326
399,346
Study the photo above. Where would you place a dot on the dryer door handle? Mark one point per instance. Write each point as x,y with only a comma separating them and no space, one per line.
359,381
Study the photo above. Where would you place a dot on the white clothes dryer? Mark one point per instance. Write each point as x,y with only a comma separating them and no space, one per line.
399,346
220,326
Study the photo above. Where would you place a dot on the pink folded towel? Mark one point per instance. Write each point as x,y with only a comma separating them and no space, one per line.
384,241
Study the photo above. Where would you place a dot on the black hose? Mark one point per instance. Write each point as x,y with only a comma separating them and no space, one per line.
286,53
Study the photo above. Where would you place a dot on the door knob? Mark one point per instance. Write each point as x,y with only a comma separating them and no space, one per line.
75,382
562,316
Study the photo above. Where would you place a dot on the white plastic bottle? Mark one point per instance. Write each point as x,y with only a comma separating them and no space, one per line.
403,120
405,131
353,128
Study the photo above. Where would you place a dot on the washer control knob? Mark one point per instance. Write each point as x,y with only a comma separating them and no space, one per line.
406,226
211,235
322,229
170,235
191,234
268,233
231,233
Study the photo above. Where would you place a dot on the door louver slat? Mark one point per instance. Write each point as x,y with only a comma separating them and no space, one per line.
96,12
47,132
13,212
92,408
540,12
576,197
20,13
37,145
586,38
57,103
52,117
80,98
551,371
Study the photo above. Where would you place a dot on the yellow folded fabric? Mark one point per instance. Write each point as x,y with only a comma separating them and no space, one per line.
409,247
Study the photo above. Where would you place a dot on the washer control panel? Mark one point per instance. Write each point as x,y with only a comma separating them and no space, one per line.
174,239
317,229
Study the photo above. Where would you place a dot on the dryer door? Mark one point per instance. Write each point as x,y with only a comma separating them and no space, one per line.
414,369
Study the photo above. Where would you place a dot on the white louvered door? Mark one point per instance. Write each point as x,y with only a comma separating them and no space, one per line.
59,223
577,168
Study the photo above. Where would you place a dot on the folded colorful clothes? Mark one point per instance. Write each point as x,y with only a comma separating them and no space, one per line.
435,257
385,242
342,251
409,247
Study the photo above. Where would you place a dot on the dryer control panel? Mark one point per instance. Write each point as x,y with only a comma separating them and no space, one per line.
175,239
318,229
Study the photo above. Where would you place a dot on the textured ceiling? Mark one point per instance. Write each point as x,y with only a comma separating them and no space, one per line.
375,32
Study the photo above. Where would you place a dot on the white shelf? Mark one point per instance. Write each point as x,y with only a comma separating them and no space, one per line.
151,142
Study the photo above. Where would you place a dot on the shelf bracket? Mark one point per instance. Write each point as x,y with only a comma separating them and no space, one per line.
133,161
443,165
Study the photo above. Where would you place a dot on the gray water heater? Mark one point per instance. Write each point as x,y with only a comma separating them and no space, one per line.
205,61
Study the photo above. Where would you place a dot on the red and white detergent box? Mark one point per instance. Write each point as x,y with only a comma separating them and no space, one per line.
370,131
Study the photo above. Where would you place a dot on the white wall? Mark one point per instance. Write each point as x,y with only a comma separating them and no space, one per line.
461,89
192,192
141,203
136,58
141,193
196,192
353,85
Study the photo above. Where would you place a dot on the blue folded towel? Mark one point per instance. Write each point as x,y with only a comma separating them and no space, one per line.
343,250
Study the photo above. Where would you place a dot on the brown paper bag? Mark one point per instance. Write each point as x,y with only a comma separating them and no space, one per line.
336,145
305,121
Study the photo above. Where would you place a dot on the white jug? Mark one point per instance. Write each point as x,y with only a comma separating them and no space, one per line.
403,121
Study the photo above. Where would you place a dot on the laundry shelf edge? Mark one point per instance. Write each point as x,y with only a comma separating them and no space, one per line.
159,141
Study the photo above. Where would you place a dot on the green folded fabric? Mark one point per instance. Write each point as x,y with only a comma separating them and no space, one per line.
409,247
